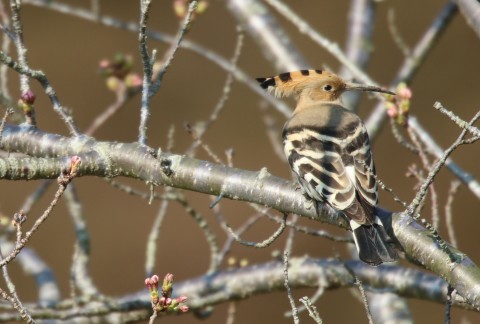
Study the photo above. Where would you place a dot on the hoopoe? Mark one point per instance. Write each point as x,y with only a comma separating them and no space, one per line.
328,149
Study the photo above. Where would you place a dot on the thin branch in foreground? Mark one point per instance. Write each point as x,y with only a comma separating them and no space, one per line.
199,142
242,229
399,137
259,245
120,100
457,120
315,297
63,180
427,165
289,290
434,171
14,299
358,283
312,310
8,112
49,91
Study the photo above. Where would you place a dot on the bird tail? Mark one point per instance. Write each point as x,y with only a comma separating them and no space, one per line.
373,243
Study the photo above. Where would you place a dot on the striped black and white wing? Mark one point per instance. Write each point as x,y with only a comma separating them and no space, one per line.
318,164
329,167
365,183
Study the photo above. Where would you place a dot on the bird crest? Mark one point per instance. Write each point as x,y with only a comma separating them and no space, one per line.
317,85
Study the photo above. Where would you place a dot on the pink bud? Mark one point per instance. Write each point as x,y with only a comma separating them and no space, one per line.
154,280
405,93
181,299
28,97
184,308
104,64
133,80
147,283
392,112
169,277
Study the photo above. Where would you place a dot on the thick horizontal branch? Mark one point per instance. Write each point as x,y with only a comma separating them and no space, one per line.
107,159
241,283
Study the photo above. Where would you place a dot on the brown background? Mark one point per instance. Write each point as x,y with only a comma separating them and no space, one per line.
68,50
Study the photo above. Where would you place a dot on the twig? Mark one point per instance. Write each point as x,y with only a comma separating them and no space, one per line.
438,152
227,87
272,133
64,180
457,120
147,63
358,283
311,231
397,38
16,302
412,63
448,304
49,91
259,245
312,310
291,234
329,46
152,241
199,142
358,45
289,291
470,10
210,236
232,309
316,296
170,138
80,275
268,34
400,139
35,196
170,54
427,166
6,40
8,112
242,229
433,172
22,56
448,213
121,99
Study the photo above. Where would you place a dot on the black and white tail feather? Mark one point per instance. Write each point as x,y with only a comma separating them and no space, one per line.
328,149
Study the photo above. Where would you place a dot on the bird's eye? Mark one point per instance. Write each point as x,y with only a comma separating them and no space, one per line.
327,87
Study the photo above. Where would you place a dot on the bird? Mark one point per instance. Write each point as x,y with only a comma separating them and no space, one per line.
327,147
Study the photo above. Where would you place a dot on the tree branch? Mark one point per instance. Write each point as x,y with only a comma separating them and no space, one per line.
132,160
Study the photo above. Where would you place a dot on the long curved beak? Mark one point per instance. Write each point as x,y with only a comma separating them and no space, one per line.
362,87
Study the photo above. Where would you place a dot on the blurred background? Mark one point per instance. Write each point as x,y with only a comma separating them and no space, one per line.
68,49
